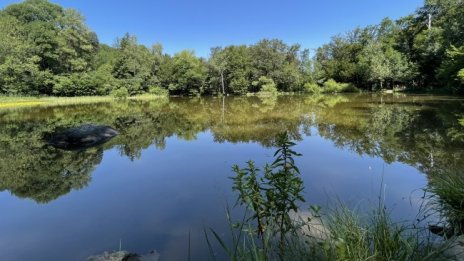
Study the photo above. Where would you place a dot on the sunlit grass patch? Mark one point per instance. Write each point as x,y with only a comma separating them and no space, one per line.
20,104
14,102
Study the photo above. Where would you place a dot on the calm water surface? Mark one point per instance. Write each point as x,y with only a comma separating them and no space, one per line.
166,174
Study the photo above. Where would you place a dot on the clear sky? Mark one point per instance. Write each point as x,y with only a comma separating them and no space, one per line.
201,24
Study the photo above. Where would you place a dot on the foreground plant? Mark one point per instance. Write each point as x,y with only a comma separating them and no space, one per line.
273,194
270,231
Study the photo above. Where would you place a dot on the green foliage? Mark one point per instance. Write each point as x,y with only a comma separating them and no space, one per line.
313,88
42,43
375,237
341,234
231,69
405,53
156,90
331,86
134,65
236,68
461,75
451,70
188,74
76,84
447,192
276,60
272,195
122,93
266,86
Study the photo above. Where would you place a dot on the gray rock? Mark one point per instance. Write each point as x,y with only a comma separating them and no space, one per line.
110,256
124,256
455,251
82,137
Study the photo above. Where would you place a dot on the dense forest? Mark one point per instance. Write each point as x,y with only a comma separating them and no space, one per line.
48,50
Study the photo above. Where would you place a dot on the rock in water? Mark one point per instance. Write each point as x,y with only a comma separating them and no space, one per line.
124,256
455,250
82,137
114,256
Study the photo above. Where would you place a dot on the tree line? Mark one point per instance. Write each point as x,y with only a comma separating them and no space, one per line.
46,49
424,50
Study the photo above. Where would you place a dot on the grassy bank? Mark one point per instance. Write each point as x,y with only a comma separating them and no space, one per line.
340,234
20,101
274,228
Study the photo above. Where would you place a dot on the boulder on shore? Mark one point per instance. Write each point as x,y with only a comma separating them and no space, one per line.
82,137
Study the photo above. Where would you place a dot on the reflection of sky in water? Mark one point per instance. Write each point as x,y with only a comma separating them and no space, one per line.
153,202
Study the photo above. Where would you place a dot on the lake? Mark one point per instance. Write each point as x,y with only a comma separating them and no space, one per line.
166,175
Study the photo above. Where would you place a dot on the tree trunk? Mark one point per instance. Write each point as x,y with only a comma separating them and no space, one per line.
222,82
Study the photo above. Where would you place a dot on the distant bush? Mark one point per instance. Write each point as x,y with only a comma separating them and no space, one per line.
158,91
239,85
76,84
461,75
266,86
121,93
331,86
348,87
312,88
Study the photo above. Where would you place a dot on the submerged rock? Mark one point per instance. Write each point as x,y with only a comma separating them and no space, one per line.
310,225
82,137
124,256
110,256
455,251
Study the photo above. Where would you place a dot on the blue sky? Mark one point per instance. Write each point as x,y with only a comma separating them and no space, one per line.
201,24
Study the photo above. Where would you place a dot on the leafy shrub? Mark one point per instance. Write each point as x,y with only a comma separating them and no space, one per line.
158,91
76,84
266,86
312,88
121,93
274,193
461,75
239,85
331,86
348,87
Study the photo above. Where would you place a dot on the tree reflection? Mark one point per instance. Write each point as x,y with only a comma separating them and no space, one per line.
424,132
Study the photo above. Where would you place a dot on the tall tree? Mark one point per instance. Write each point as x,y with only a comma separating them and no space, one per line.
188,74
219,63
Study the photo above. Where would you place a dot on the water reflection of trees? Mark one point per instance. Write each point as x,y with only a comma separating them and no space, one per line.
422,132
415,132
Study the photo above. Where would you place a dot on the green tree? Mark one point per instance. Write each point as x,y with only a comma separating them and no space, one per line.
451,72
20,72
134,66
374,64
188,74
49,43
219,63
276,60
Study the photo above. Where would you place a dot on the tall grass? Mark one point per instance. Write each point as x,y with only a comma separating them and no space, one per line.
347,235
447,197
338,234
